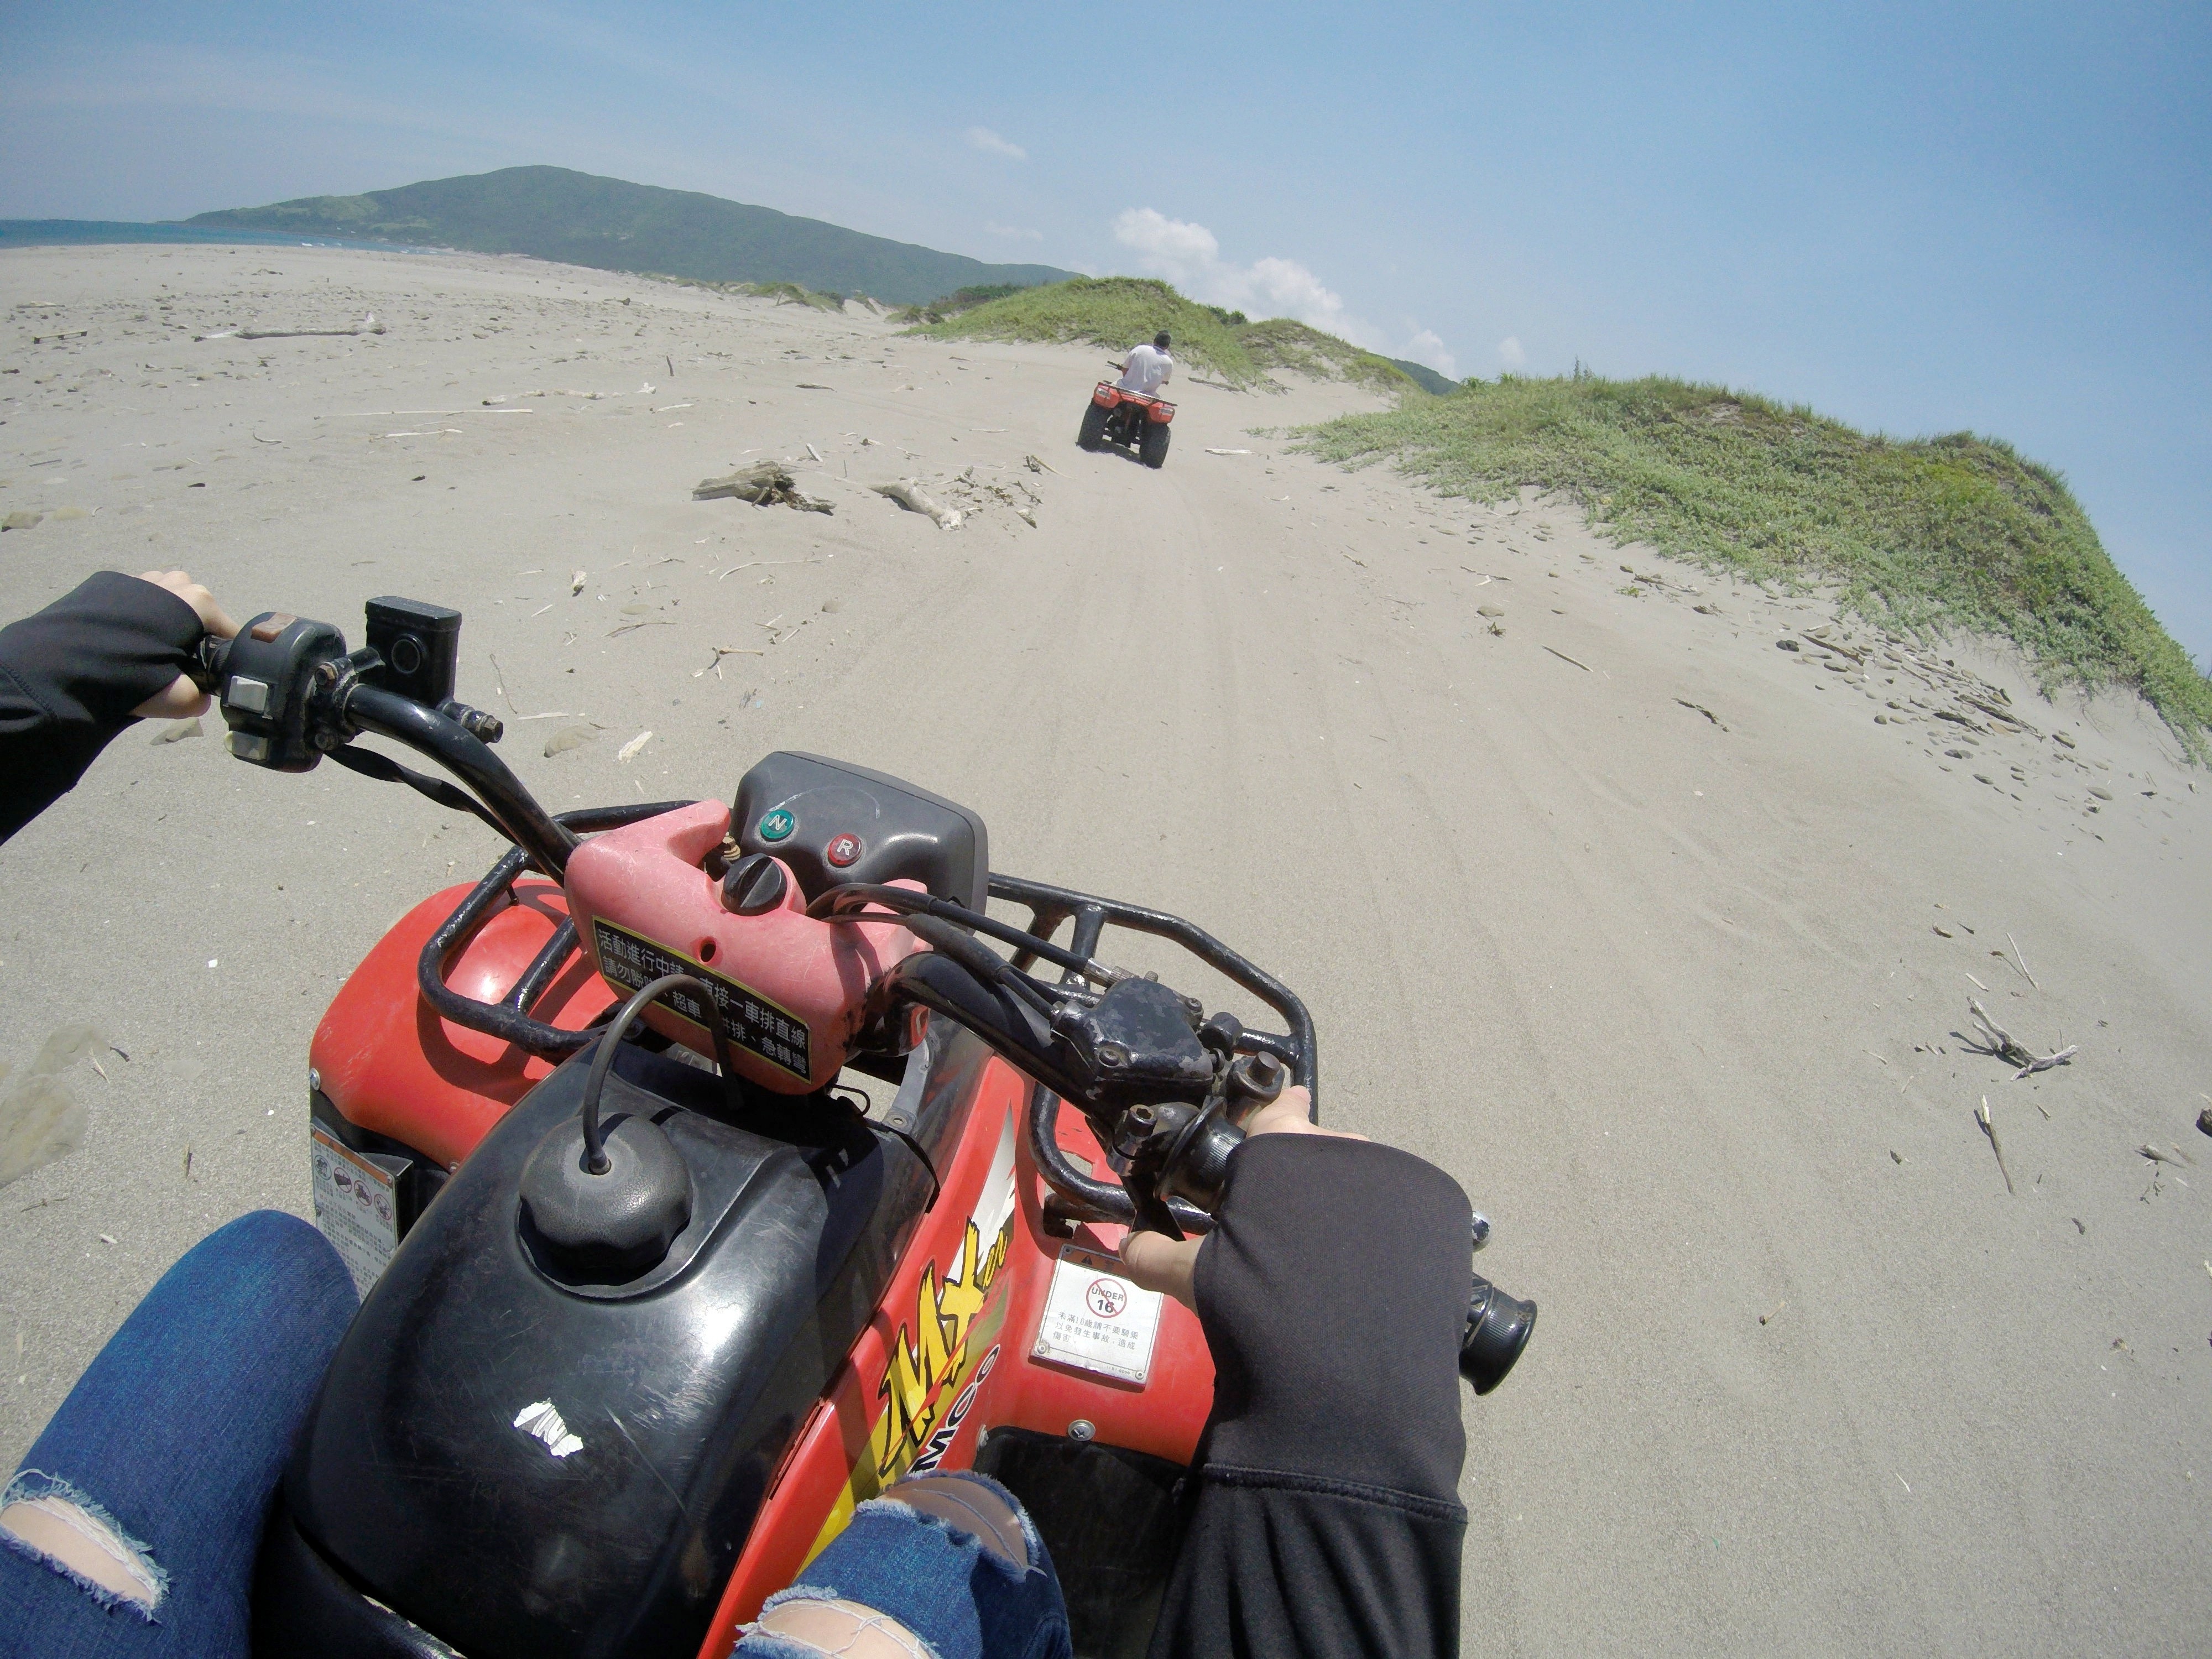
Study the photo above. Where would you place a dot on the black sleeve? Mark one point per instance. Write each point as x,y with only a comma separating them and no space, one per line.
1327,1519
70,678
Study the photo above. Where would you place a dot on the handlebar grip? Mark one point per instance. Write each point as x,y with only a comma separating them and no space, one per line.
1498,1329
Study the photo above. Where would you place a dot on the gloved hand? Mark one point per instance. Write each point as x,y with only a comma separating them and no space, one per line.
1332,1293
73,675
182,700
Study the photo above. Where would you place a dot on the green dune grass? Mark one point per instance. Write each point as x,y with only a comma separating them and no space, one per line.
1923,535
1118,312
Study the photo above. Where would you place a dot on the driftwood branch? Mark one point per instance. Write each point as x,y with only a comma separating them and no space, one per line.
764,483
1996,1040
910,495
1990,1129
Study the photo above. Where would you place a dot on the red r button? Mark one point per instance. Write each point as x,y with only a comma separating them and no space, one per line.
842,850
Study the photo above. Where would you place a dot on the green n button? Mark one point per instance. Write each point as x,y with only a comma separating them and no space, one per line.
777,825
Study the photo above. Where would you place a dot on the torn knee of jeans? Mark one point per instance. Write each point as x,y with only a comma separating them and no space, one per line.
959,1536
49,1521
810,1621
801,1593
977,1503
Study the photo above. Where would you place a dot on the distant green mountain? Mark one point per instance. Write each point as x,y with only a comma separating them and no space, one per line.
550,213
1423,376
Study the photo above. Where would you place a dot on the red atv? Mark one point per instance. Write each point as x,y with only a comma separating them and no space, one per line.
1133,420
707,1167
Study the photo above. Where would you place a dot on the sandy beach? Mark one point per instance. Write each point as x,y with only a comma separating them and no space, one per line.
1623,892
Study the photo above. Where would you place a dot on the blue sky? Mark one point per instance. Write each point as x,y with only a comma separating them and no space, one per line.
1916,217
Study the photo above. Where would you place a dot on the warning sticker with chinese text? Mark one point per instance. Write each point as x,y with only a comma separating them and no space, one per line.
1096,1319
754,1023
355,1204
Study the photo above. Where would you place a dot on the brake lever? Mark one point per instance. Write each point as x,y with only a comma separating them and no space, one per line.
1143,1140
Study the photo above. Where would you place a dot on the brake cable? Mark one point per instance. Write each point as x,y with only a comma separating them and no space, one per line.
956,947
906,900
369,763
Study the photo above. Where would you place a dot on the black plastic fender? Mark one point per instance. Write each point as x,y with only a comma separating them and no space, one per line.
518,1467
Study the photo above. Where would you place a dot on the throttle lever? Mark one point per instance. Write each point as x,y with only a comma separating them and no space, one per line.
205,669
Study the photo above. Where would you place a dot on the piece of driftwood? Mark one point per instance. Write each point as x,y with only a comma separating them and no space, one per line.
764,483
910,495
1996,1040
1990,1129
371,326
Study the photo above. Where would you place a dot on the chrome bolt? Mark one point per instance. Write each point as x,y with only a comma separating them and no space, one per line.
1082,1429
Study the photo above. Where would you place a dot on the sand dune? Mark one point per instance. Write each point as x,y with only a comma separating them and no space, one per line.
1658,936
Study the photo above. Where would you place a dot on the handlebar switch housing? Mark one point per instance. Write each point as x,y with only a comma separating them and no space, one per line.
267,680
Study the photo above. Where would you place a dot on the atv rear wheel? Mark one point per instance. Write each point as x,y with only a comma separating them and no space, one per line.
1093,435
1153,451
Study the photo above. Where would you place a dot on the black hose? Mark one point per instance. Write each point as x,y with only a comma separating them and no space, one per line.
829,907
595,1157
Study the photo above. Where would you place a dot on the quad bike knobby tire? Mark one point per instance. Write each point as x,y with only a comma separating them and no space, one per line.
1153,450
1093,435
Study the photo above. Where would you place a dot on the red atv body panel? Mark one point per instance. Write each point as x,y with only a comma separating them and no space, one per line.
1107,395
952,1349
952,1354
390,1064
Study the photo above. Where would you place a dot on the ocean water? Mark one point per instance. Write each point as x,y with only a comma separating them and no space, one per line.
80,233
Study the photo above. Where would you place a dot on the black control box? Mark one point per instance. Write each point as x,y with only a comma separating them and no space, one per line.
834,823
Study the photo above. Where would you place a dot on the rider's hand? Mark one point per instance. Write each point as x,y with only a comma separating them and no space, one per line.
181,700
1332,1291
1164,1264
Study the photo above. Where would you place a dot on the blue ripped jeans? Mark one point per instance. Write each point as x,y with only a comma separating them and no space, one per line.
171,1446
964,1601
172,1443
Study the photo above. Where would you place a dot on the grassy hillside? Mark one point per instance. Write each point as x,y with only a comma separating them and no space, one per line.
1424,377
1118,312
1929,534
551,213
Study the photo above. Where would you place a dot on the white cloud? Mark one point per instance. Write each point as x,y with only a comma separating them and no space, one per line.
1509,353
1426,348
1189,256
989,142
1015,233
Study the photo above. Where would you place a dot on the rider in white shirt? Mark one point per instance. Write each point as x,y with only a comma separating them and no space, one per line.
1150,367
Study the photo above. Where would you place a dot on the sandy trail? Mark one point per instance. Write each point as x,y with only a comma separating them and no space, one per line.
1664,989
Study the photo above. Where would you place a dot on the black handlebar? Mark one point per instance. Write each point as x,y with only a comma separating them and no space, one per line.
444,739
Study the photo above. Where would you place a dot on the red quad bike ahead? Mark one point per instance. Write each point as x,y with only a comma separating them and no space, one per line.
655,1295
1131,419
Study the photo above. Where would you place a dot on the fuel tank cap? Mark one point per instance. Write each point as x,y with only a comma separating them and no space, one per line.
612,1226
